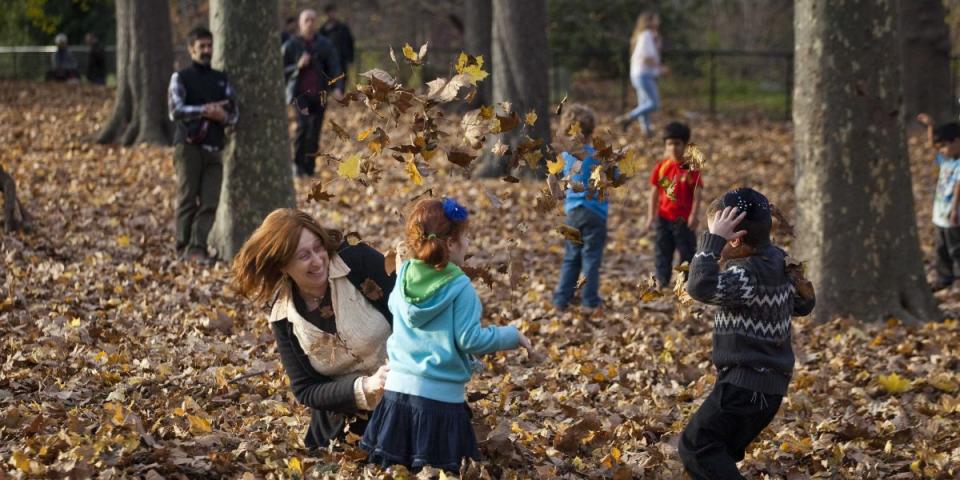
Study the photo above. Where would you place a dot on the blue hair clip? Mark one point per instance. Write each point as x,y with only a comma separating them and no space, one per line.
455,212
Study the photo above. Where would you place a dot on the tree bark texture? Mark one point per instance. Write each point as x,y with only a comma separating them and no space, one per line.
926,59
521,69
144,66
478,25
856,226
257,177
15,217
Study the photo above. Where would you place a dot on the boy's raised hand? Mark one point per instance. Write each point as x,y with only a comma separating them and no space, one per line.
724,223
925,119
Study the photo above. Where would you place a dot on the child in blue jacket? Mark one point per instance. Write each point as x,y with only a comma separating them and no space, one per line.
423,418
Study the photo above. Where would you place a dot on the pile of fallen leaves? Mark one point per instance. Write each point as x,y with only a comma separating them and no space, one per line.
120,360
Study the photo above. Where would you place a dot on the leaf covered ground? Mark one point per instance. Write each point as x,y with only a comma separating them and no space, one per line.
119,360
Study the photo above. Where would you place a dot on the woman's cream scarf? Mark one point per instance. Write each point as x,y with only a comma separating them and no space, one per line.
360,344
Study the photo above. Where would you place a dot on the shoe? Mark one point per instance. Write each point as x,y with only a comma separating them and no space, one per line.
592,312
197,255
936,287
623,122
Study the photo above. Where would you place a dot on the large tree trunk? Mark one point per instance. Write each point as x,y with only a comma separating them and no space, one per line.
521,67
478,24
144,65
856,222
15,217
926,59
257,177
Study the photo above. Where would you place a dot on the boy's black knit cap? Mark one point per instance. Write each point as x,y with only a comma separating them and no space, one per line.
947,132
677,130
759,219
748,200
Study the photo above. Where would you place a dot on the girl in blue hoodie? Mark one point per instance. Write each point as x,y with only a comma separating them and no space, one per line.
423,418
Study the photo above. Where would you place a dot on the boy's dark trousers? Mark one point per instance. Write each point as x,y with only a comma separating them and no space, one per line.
306,146
719,432
948,254
672,236
199,175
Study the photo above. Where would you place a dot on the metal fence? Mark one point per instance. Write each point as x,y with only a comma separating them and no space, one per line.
713,81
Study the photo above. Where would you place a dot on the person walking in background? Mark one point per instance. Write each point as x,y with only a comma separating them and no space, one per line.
201,104
310,64
96,61
289,30
339,33
644,69
63,62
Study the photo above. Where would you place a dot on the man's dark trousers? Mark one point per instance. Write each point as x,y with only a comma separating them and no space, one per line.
307,140
199,176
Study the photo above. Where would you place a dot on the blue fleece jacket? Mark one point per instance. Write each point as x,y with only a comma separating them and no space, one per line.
432,342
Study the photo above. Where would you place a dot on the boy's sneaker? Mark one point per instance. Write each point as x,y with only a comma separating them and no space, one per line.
592,312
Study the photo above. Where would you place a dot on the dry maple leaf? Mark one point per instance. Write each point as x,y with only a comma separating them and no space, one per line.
371,290
569,233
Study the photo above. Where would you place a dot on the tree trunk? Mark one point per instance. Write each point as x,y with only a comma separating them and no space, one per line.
521,69
15,217
478,16
144,65
856,223
926,59
257,178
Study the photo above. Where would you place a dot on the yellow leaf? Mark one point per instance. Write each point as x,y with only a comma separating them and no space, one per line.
615,453
123,240
443,476
199,424
408,53
414,173
294,463
475,73
486,112
630,164
364,134
21,462
350,167
530,118
893,383
574,129
555,166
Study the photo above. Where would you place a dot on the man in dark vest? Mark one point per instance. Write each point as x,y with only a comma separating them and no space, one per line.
201,104
310,66
339,33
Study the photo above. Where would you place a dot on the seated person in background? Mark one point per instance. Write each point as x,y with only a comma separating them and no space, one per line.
64,64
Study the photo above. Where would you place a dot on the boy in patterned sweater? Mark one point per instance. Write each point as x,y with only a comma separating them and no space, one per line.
738,269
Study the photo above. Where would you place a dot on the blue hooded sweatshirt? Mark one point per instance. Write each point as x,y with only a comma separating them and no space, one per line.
434,338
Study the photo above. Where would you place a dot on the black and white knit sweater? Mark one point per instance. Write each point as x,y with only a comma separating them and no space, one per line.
752,328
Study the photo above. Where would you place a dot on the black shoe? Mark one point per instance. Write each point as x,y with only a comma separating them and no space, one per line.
941,285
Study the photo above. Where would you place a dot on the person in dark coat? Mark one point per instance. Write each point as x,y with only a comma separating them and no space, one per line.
96,61
339,33
311,68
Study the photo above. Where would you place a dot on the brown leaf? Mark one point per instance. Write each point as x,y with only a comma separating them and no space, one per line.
460,157
371,290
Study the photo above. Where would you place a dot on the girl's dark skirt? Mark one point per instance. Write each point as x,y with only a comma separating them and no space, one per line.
414,431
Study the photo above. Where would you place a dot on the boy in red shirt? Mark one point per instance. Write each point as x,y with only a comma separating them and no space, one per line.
674,203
